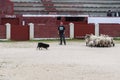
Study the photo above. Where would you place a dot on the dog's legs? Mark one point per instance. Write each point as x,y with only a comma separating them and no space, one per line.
37,47
41,48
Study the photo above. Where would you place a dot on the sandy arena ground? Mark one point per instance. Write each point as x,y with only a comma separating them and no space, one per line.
75,61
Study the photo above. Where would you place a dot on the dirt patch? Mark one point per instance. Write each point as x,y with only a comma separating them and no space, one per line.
74,61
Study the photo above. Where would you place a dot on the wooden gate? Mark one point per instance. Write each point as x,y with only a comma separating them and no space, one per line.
19,33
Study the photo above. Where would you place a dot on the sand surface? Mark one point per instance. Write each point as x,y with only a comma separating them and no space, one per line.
74,61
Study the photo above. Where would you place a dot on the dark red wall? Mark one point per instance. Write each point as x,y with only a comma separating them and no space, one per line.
2,32
19,33
46,27
110,29
12,21
40,20
45,31
82,29
49,31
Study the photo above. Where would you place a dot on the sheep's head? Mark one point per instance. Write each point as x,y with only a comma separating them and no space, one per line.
87,36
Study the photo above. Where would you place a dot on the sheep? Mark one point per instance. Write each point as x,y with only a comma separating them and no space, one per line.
99,41
89,38
91,44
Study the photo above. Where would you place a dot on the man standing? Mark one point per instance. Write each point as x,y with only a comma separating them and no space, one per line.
61,31
109,13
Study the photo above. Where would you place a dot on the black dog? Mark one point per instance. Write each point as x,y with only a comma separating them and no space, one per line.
42,45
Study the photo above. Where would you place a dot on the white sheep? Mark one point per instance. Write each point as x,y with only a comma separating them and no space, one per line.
99,41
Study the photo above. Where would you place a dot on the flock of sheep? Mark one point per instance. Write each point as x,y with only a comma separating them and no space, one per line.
99,41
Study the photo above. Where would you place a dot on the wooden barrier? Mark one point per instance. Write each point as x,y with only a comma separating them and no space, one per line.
2,32
19,33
